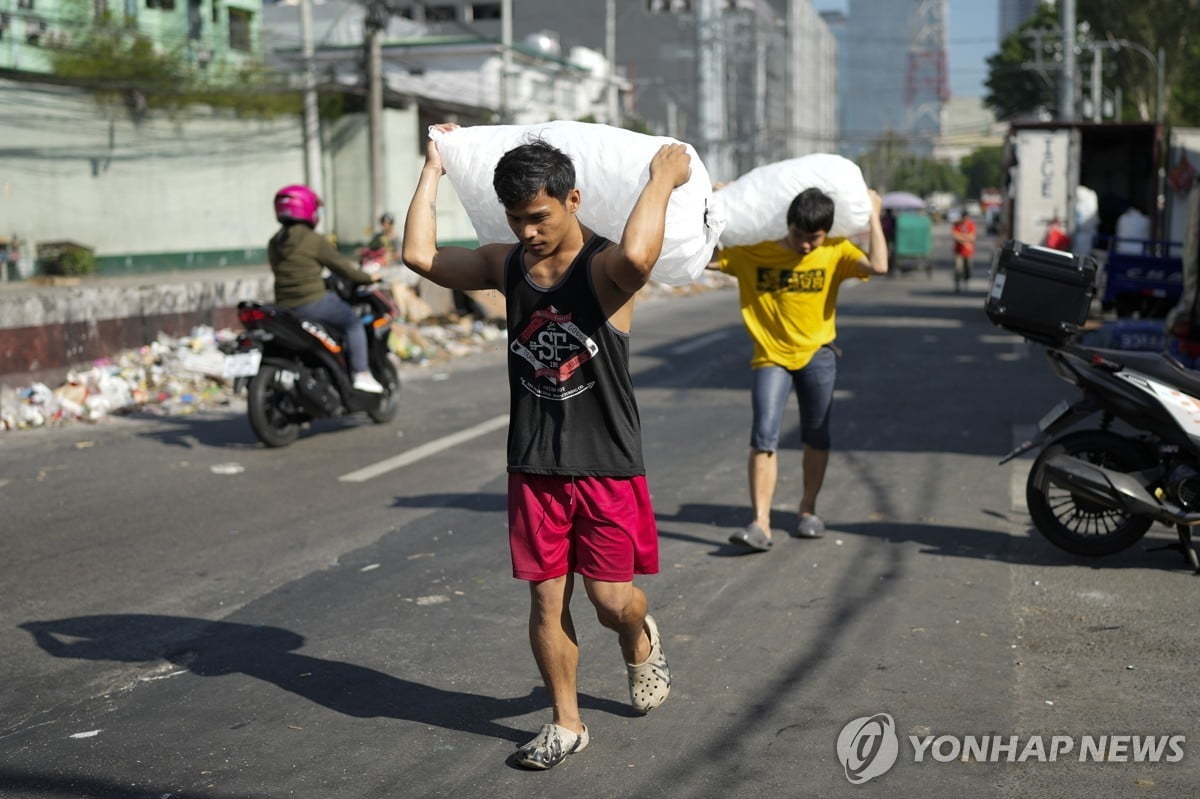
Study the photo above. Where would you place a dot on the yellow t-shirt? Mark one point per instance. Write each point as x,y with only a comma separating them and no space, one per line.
789,301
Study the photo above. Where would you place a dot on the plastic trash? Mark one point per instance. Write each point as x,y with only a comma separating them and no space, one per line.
611,168
755,205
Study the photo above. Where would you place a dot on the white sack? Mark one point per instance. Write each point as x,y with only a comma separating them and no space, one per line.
611,169
755,205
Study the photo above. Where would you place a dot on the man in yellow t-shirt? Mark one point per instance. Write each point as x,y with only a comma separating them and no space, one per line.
788,292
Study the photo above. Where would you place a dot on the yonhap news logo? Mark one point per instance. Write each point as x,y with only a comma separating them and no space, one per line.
869,746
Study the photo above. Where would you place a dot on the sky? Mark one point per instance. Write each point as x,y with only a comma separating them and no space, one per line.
970,39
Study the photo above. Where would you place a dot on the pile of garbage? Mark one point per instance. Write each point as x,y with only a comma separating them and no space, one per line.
179,376
174,376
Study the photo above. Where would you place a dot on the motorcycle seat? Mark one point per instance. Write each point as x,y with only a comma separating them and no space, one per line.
1157,365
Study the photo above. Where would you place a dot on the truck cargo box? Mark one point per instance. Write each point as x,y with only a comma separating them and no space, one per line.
1039,293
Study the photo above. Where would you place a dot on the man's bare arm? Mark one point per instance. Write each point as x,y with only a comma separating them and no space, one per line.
876,262
451,267
628,265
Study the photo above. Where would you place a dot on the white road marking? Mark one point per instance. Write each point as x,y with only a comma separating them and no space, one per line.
424,451
703,341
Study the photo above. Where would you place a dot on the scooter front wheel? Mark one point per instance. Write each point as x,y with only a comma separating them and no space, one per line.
272,409
1078,525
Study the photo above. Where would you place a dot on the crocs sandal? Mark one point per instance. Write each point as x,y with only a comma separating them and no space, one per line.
752,536
650,681
810,526
551,747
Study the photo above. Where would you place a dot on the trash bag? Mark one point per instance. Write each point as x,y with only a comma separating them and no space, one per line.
755,205
611,169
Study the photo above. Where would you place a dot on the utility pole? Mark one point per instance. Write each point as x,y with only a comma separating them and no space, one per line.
312,121
1097,89
610,53
710,87
374,24
1066,97
506,46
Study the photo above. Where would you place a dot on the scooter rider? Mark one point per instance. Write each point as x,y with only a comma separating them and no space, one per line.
297,253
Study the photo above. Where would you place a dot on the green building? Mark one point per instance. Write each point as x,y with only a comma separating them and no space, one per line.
211,34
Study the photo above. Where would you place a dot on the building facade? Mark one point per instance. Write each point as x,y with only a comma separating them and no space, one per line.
209,34
895,80
775,62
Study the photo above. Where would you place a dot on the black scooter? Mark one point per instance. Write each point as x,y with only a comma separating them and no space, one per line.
298,370
1096,491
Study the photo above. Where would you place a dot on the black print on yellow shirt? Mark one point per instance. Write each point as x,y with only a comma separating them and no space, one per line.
790,279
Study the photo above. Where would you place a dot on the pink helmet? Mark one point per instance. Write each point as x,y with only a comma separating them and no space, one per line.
297,203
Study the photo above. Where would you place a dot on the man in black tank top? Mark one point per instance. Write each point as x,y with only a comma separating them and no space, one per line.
577,495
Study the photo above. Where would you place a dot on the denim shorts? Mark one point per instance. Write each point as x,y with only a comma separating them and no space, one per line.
814,391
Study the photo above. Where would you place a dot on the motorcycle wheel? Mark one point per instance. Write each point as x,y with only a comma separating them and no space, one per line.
271,409
1081,526
389,406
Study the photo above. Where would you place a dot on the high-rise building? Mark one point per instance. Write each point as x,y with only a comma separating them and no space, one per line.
775,59
895,81
1013,13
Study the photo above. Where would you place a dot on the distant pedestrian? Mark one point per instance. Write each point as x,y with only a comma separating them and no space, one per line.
963,232
888,222
788,291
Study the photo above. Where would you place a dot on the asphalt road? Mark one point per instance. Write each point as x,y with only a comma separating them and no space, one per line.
188,614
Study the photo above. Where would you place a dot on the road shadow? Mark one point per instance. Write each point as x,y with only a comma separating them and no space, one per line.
233,432
215,649
59,782
481,502
1157,551
1152,552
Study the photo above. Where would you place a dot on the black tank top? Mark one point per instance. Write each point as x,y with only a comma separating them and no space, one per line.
572,407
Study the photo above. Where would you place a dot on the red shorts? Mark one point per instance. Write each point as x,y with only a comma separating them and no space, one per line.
600,527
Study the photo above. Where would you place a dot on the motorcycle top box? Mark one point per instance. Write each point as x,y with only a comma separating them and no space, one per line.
1039,293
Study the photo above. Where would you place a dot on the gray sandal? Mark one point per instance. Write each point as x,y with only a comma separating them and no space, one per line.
752,536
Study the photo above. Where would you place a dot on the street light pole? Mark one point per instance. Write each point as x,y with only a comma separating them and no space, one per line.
1159,63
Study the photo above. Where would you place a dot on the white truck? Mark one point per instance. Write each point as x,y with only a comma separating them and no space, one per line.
1124,165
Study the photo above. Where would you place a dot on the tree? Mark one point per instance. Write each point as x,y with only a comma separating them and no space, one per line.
120,64
924,176
1015,86
1173,25
983,168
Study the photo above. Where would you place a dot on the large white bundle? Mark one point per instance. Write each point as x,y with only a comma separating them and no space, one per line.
611,169
755,205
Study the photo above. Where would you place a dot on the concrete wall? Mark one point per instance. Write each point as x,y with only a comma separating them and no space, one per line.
75,170
199,183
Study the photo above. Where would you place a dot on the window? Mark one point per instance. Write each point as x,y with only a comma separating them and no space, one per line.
216,12
24,3
195,22
165,5
239,29
485,11
441,13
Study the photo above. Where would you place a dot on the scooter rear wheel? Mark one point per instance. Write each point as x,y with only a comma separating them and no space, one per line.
1081,526
270,407
389,406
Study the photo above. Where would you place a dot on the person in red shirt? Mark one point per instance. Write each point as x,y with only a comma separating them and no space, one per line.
963,232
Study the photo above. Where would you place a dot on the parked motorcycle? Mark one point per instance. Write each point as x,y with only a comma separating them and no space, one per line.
298,370
1096,489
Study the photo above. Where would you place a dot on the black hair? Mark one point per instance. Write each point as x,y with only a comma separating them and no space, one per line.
525,170
811,211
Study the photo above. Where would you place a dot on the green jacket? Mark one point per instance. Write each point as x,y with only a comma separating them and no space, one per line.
297,253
